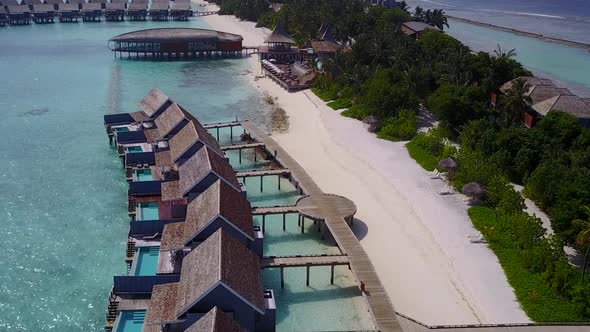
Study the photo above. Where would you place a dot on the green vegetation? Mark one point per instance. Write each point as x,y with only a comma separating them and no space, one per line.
340,103
423,157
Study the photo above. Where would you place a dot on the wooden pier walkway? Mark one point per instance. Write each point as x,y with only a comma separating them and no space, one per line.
377,299
222,125
207,13
241,146
256,173
301,261
260,211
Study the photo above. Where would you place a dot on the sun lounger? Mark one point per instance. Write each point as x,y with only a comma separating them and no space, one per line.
448,191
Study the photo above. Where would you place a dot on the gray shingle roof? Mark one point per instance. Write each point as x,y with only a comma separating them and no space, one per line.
215,321
151,103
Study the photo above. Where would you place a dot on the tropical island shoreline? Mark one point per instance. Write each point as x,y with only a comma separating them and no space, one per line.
398,208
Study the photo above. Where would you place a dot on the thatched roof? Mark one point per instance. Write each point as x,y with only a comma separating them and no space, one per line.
448,164
571,104
530,80
43,8
280,35
321,46
219,200
54,2
417,27
159,6
220,261
181,5
137,6
151,103
188,136
163,158
115,6
539,93
169,119
215,321
30,2
473,189
162,306
202,163
73,7
87,7
172,237
18,9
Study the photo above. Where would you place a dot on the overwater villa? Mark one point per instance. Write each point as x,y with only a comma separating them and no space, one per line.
43,13
68,12
19,15
137,11
91,12
159,11
114,11
220,272
546,97
215,321
3,16
180,11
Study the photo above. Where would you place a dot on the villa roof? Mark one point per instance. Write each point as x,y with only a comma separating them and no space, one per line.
53,2
70,7
188,136
10,2
169,119
280,35
220,199
91,6
325,33
220,260
159,6
163,158
571,104
115,6
136,5
530,80
417,27
172,237
324,46
215,321
152,102
30,2
202,163
539,93
21,9
161,307
43,8
176,5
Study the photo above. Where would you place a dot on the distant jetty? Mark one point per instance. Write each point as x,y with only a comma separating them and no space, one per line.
524,33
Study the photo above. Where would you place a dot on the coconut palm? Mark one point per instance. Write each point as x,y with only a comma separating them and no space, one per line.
419,14
583,237
515,102
501,53
436,17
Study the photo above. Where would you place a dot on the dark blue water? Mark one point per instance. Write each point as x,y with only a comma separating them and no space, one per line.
567,19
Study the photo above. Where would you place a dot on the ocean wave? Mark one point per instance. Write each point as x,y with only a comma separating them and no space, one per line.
524,14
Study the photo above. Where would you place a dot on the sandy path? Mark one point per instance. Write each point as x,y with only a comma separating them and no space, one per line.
416,238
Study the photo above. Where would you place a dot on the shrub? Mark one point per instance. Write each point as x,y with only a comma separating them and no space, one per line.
401,127
356,111
340,103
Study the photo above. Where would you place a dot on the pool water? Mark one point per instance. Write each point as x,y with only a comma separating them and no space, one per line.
133,149
146,261
148,211
143,175
130,321
120,129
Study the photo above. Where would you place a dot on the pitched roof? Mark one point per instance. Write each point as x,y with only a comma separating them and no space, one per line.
152,102
416,26
161,307
571,104
220,260
530,80
176,5
137,6
324,46
188,136
43,8
172,237
220,199
325,33
169,119
215,321
280,35
538,93
115,6
200,165
73,7
159,6
93,6
21,9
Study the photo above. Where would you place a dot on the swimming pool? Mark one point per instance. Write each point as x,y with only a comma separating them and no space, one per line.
120,129
133,149
130,321
146,261
143,175
148,211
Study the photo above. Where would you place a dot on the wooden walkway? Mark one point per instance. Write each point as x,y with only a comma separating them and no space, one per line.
300,261
377,299
260,211
255,173
198,13
222,125
241,146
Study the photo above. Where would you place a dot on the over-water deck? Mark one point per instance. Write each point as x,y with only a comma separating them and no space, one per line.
328,209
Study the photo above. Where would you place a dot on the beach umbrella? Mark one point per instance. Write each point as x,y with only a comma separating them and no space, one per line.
448,164
372,123
473,189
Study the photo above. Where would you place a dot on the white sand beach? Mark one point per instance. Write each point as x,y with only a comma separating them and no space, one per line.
416,238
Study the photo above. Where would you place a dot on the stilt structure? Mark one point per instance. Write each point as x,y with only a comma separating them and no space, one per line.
68,13
115,12
91,12
180,11
101,2
3,16
19,15
159,10
43,13
54,3
137,11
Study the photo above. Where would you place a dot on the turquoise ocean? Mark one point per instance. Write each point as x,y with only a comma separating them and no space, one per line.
63,206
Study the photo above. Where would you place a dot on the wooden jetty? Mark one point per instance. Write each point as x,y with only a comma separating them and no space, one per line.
332,211
283,262
242,146
260,211
205,13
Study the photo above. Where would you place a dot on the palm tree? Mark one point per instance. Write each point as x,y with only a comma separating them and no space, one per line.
583,238
419,14
515,102
437,17
500,53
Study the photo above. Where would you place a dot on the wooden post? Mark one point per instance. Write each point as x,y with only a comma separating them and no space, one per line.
261,182
307,277
284,221
298,220
332,275
255,155
231,133
240,154
217,129
263,223
279,179
302,224
319,228
282,277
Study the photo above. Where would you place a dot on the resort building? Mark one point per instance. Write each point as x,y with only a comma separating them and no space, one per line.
325,45
43,13
215,321
3,16
137,11
415,28
387,4
19,15
222,273
68,12
114,11
91,12
279,46
546,97
180,11
159,11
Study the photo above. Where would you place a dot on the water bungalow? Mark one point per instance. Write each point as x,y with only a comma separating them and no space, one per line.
77,2
180,11
68,13
159,11
31,3
3,16
415,29
279,46
19,15
43,13
101,2
54,3
215,321
114,11
150,107
137,11
220,272
91,12
176,43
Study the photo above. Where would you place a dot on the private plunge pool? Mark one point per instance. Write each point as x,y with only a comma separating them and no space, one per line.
143,175
129,321
133,149
145,261
147,211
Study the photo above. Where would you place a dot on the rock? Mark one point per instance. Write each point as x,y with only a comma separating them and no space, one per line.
372,123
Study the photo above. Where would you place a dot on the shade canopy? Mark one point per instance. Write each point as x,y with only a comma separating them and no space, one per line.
448,164
473,189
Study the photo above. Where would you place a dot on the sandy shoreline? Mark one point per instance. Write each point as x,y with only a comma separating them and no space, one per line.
416,239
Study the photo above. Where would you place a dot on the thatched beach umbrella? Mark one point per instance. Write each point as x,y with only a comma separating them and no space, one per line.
448,164
372,123
473,189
